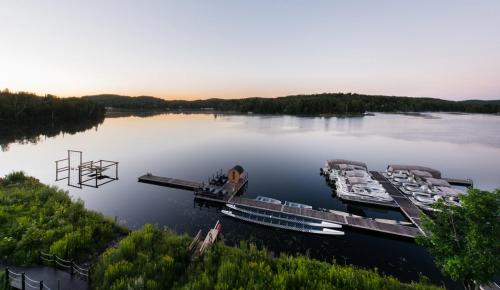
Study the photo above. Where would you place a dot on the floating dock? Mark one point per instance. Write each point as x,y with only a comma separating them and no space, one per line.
335,217
170,182
460,182
409,209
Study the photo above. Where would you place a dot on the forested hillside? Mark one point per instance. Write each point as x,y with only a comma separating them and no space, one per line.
335,103
22,107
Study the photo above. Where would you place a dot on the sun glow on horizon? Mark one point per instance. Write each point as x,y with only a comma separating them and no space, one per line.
200,50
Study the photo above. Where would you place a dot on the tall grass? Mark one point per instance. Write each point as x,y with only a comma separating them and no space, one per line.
154,259
35,217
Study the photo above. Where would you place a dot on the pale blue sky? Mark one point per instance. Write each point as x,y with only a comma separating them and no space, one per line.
201,49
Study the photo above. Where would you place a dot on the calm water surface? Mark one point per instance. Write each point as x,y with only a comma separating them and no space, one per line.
282,155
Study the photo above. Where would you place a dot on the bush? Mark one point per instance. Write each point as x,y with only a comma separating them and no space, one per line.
14,178
35,217
155,259
246,267
149,258
3,282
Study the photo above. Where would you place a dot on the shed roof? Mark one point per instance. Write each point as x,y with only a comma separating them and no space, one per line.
238,168
435,173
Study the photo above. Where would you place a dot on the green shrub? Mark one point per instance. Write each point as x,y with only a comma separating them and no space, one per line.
35,217
149,258
154,259
246,267
14,178
3,282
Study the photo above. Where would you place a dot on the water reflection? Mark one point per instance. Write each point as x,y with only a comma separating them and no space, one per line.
35,132
282,155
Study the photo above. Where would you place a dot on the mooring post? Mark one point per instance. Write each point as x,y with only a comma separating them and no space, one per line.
23,281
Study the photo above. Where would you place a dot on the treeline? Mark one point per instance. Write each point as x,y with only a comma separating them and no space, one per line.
151,258
319,104
22,107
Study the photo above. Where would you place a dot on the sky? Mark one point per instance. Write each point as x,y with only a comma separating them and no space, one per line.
231,49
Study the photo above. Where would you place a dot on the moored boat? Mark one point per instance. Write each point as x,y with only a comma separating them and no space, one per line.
268,199
280,223
283,216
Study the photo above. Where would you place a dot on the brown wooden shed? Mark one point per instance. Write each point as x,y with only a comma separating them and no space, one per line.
236,174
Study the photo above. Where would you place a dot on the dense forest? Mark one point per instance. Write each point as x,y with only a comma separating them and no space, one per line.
22,107
26,117
152,258
320,104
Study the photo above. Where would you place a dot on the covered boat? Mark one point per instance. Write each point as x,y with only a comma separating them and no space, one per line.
283,216
280,223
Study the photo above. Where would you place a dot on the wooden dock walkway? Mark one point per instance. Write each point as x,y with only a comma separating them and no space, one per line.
335,217
170,182
409,209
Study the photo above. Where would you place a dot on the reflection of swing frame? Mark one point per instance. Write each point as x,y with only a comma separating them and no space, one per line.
90,173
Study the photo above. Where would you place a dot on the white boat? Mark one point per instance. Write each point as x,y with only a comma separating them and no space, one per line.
268,200
297,205
278,223
284,216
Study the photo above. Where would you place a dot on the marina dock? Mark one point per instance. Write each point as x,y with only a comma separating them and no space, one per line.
400,229
409,209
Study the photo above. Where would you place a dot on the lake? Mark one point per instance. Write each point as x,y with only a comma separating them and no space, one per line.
282,155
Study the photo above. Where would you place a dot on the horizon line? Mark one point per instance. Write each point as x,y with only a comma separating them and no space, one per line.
198,98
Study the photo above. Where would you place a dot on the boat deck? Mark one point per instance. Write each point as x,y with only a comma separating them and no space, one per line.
409,209
344,219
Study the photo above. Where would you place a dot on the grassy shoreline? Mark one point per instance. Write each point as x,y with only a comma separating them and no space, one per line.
36,217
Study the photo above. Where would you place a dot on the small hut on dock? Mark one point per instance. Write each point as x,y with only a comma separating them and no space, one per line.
236,174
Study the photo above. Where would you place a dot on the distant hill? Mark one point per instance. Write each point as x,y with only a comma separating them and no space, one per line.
328,103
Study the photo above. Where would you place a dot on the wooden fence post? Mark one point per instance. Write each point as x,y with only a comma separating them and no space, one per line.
88,277
23,281
7,280
72,269
41,285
